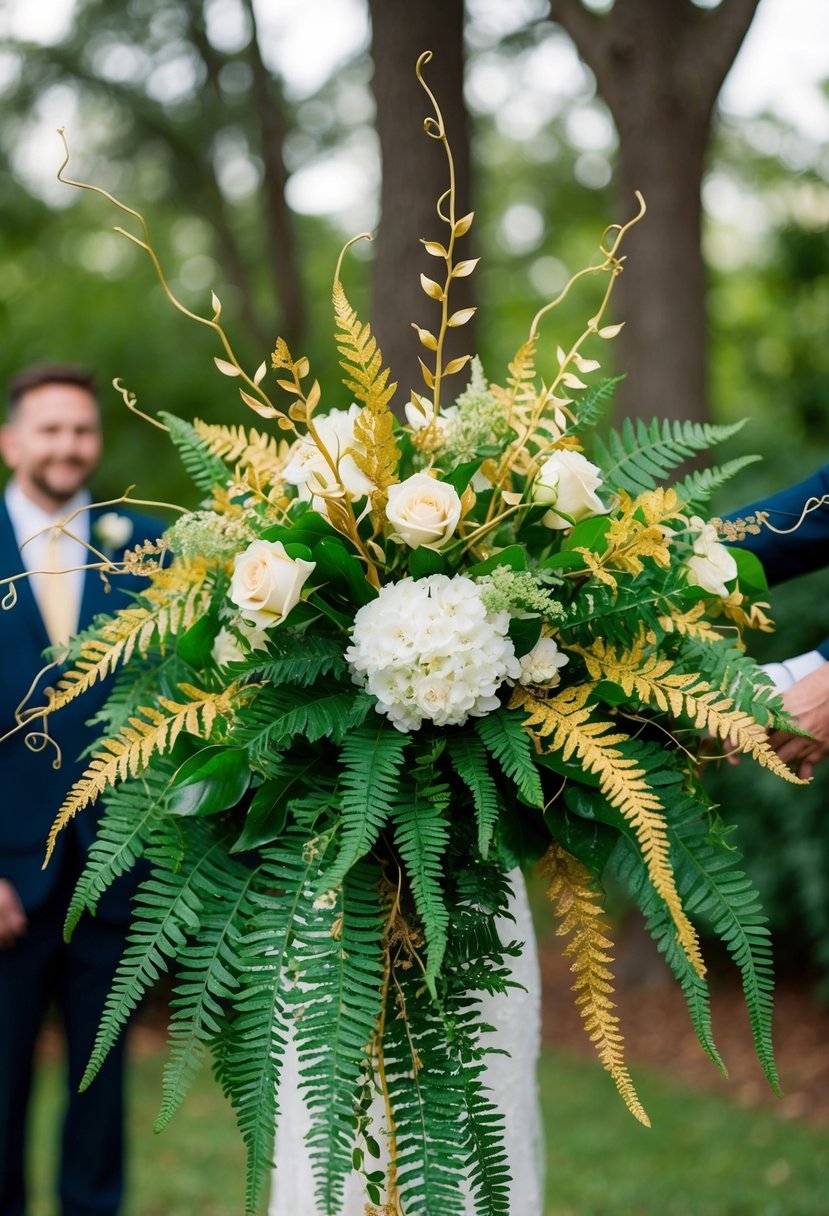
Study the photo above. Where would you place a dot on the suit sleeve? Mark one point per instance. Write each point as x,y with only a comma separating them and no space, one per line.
795,543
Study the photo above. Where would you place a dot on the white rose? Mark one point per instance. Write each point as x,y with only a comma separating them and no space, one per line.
541,664
420,415
423,511
266,583
113,530
226,648
568,481
711,566
310,472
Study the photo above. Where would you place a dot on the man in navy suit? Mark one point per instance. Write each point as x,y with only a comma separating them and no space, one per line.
52,442
796,543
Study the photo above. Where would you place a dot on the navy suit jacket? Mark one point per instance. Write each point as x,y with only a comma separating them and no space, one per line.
32,789
794,552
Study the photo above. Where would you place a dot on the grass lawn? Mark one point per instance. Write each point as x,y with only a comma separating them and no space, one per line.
703,1157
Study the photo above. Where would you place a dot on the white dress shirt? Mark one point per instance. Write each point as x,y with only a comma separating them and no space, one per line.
784,675
28,519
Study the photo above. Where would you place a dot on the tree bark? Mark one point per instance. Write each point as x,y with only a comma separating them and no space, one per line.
415,175
659,65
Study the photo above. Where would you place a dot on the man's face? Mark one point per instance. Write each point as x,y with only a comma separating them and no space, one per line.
53,441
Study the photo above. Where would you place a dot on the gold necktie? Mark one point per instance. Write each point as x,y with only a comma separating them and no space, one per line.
56,601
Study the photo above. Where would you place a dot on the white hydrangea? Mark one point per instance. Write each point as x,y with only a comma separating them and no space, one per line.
428,649
541,665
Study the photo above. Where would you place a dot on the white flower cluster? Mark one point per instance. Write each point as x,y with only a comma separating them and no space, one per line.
428,648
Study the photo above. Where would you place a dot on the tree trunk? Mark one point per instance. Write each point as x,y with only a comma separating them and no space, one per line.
415,175
659,65
661,291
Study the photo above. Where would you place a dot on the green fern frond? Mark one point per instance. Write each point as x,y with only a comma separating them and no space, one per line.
249,1054
277,715
469,759
167,907
700,485
713,887
628,866
296,660
339,964
204,469
592,405
429,1103
505,738
371,758
421,834
638,457
133,818
207,977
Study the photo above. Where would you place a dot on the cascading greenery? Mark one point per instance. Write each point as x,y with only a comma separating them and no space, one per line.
328,844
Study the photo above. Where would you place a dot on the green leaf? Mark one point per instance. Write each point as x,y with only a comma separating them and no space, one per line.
750,572
589,534
462,474
424,561
513,556
525,632
306,528
268,811
196,644
590,841
213,780
342,571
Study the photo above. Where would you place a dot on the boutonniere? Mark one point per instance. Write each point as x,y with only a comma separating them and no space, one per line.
112,531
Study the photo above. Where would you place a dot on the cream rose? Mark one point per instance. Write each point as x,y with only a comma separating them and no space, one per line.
423,511
541,664
569,481
711,565
266,582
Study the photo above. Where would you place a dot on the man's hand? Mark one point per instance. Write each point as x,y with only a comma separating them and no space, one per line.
12,917
808,703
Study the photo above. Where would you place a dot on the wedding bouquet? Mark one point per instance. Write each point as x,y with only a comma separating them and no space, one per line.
377,668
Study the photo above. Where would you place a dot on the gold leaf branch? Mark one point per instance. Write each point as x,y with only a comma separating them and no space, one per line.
529,419
563,723
255,397
435,128
578,906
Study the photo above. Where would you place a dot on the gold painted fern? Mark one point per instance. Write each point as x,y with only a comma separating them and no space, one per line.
376,453
650,678
177,595
129,752
578,906
246,448
563,722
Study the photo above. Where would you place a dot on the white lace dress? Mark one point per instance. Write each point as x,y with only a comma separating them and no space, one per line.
516,1017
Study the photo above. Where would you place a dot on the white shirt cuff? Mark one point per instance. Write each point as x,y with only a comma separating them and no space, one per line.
784,675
